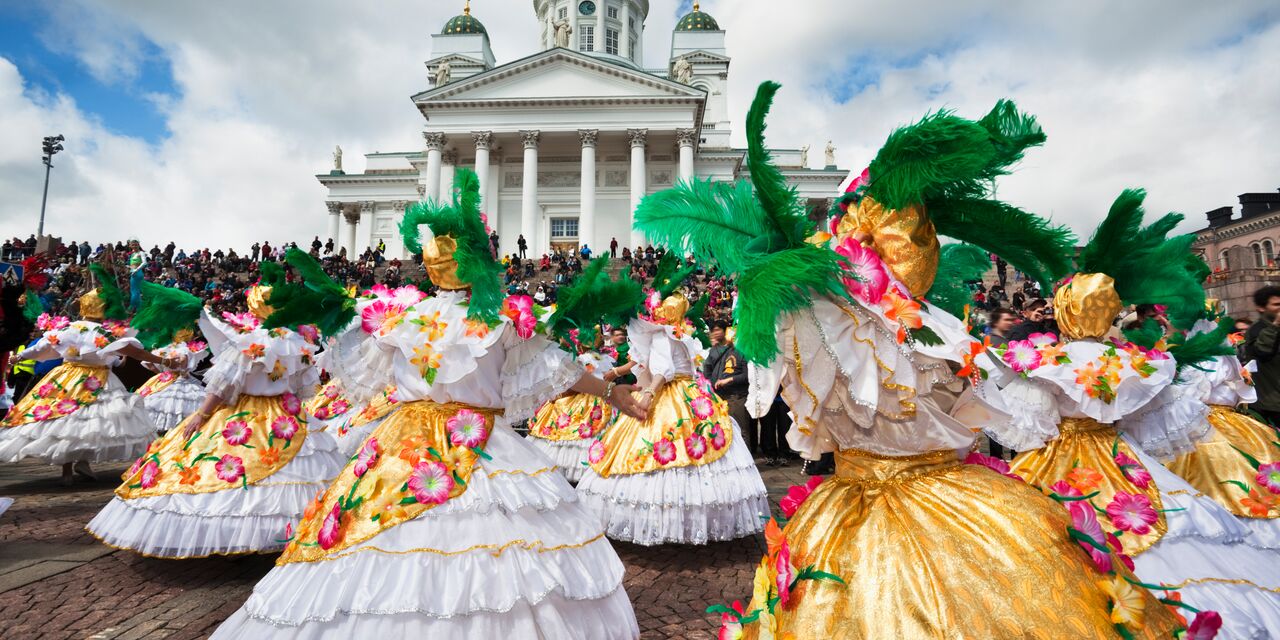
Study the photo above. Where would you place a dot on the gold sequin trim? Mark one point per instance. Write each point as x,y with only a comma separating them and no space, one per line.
795,344
1184,492
1246,583
519,472
498,549
941,455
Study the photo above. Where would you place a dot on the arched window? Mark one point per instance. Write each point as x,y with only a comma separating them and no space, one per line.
1268,253
1257,255
1223,263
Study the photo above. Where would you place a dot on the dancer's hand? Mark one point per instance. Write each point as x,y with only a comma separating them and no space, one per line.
623,400
194,423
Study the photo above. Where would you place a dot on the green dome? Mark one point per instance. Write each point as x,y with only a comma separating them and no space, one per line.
697,21
463,24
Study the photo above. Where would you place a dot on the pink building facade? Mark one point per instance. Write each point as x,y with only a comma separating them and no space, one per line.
1243,251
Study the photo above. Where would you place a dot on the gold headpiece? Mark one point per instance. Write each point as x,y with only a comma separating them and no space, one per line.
442,268
1087,306
92,307
672,310
184,335
257,297
905,239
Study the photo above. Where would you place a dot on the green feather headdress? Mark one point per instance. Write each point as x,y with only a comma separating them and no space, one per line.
112,298
958,265
754,231
164,312
949,165
460,219
316,299
1148,266
697,314
592,299
670,274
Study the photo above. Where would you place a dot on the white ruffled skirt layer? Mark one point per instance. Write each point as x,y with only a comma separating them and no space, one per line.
720,501
233,521
174,403
1207,555
115,427
570,456
515,557
349,442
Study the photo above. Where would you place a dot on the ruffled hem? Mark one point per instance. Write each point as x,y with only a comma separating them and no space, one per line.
607,618
1264,533
1173,426
1248,613
720,501
171,405
1189,513
1034,415
569,456
116,427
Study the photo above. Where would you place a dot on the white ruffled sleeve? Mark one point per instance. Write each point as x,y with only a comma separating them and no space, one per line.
534,372
1172,423
363,364
228,374
1032,411
652,348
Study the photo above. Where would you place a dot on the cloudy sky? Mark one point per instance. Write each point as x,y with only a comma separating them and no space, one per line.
204,122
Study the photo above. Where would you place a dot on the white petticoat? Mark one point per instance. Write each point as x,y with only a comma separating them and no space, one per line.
569,456
241,520
172,404
350,442
115,427
720,501
1207,549
514,557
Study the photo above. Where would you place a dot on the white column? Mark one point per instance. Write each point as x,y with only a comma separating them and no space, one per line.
350,244
587,196
482,140
435,145
624,43
367,208
335,214
448,164
639,180
685,140
529,193
598,45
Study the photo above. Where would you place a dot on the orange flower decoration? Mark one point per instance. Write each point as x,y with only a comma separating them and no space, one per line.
1235,338
413,450
904,311
476,328
189,475
1084,479
1050,353
773,537
975,349
1177,611
269,456
255,350
314,506
1087,374
1259,503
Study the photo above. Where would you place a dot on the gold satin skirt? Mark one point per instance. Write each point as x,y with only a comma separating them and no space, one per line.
688,426
1084,455
66,389
934,549
571,417
1218,469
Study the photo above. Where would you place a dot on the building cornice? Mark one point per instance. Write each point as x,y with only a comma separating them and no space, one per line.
1237,229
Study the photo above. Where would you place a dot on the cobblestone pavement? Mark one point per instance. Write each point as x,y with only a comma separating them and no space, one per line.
57,581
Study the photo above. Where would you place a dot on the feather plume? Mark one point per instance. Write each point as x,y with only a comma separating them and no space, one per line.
713,221
776,197
958,265
110,293
781,283
1200,348
164,312
1030,243
315,299
592,299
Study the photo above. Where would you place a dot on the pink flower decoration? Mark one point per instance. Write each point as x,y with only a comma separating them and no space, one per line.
467,429
584,431
1269,477
597,413
47,389
322,413
407,296
786,574
309,332
652,302
331,391
1132,512
331,528
1118,547
196,346
376,314
797,495
137,464
664,451
340,406
242,322
92,383
562,421
41,412
47,322
67,406
695,445
366,457
237,432
229,468
1133,470
1021,356
1084,521
380,291
430,482
150,474
717,437
702,407
291,404
1042,339
995,464
1204,627
1065,490
862,180
519,309
284,427
870,278
730,627
167,376
595,452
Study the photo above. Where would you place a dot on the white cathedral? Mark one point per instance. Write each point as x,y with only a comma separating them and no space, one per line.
566,141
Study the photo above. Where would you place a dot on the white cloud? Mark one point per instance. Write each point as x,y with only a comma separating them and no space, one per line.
1177,97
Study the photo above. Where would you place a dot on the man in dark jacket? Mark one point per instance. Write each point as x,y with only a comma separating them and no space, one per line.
1262,344
726,370
1037,317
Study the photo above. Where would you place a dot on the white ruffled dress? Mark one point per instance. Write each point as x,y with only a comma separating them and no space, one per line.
693,504
1205,552
113,426
515,556
240,519
178,398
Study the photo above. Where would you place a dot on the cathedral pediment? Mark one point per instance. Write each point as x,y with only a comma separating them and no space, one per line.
557,75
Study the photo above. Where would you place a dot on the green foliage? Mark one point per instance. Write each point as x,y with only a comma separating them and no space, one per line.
671,273
592,299
460,220
316,299
163,313
110,294
958,264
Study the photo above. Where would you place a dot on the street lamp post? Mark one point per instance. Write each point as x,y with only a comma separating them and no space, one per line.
52,145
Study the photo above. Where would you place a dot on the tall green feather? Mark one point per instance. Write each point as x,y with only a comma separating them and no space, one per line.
958,265
164,312
110,294
591,299
671,273
697,315
316,299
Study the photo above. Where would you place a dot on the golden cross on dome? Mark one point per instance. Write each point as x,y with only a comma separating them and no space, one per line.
695,6
466,10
